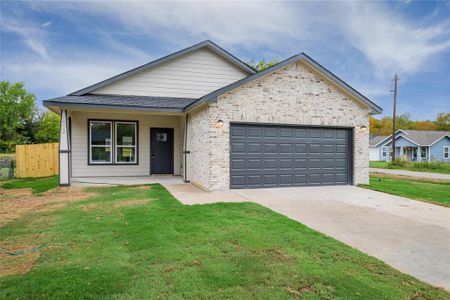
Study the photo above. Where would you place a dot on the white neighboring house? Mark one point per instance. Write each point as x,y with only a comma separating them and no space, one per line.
204,115
412,145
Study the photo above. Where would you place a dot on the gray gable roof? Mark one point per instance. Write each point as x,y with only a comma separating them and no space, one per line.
122,102
205,44
212,97
418,137
376,139
425,138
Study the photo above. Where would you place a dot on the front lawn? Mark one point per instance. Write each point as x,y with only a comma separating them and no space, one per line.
141,243
430,167
434,191
38,185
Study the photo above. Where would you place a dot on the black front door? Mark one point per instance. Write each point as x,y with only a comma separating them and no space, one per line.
161,150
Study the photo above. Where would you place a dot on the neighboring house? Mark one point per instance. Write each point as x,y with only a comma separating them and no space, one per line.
412,145
205,115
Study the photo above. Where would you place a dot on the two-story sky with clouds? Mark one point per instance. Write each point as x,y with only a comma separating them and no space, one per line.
56,48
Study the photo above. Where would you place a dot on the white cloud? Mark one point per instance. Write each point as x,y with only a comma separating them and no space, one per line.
46,24
391,43
31,35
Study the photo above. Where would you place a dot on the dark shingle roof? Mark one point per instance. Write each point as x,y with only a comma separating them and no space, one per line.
113,101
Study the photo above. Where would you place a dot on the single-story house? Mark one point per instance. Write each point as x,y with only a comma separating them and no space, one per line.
203,114
412,145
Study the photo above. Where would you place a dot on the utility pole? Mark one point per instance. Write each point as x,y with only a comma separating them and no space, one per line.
394,116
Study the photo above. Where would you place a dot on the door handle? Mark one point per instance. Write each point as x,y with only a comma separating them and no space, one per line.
153,155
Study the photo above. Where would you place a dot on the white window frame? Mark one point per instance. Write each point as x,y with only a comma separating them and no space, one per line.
384,151
116,146
101,146
423,152
443,152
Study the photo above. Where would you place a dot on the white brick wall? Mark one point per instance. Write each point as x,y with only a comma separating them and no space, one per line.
295,94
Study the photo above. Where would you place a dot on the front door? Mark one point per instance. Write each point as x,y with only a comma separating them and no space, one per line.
161,150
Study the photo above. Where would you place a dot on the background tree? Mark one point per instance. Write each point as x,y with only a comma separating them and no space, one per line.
262,64
47,128
443,121
383,126
17,108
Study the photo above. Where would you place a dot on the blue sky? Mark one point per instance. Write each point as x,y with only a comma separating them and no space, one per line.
59,47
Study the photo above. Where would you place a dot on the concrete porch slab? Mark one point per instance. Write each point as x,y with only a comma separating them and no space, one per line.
125,180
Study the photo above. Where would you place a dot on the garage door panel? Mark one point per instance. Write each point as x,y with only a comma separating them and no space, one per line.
268,156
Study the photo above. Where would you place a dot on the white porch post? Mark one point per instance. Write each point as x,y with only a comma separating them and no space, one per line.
401,153
64,151
419,153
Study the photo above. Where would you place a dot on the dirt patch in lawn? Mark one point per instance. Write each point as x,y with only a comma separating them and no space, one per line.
136,202
14,203
409,178
19,256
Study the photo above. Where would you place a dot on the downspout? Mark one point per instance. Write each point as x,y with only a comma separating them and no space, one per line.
185,151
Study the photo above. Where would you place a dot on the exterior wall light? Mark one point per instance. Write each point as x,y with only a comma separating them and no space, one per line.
218,124
362,129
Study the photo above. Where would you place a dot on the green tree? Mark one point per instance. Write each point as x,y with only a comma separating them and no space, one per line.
47,128
443,121
262,64
17,108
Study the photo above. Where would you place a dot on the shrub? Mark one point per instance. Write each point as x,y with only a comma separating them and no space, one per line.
397,163
432,165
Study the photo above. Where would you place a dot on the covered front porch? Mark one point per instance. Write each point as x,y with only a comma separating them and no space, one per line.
406,150
121,147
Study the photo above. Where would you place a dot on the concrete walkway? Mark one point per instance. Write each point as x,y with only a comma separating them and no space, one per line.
411,236
412,173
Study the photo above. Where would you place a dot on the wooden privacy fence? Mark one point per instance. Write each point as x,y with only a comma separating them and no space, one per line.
39,160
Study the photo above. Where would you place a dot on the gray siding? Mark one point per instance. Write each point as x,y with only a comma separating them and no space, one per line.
192,75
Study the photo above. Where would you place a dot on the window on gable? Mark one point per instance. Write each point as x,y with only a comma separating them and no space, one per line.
446,152
384,151
112,142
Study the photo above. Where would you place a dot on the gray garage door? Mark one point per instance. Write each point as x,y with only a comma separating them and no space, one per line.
272,156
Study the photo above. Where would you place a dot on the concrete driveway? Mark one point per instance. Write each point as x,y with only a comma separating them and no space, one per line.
411,236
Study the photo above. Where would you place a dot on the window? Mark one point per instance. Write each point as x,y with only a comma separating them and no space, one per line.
125,141
423,152
384,151
100,142
112,142
414,153
445,152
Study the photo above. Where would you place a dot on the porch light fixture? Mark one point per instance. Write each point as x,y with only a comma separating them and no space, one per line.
218,124
362,129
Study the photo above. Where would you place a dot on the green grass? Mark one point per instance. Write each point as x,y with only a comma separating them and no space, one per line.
38,185
165,250
7,155
430,167
437,192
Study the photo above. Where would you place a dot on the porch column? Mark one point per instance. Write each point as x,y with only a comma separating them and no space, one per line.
401,152
419,153
64,151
